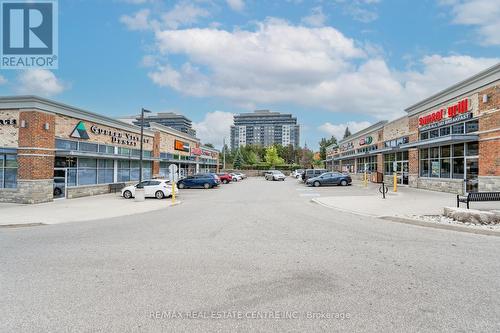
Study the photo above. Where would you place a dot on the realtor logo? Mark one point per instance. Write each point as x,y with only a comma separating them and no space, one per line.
29,34
80,132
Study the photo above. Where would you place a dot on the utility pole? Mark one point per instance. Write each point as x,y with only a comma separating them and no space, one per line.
224,153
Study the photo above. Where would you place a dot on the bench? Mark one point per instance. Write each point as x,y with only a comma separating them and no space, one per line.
113,188
478,196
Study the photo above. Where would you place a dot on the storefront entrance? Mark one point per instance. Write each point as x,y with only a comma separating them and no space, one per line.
402,167
471,173
60,183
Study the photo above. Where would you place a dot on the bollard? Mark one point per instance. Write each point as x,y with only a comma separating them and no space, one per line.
395,180
366,179
173,192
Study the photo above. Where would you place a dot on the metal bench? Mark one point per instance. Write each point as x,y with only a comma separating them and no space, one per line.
478,196
113,188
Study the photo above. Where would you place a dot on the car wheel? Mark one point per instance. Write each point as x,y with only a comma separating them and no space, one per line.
225,181
181,186
127,194
159,195
57,192
206,186
317,184
343,182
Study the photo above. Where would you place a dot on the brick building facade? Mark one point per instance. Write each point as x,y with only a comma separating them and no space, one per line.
448,142
50,150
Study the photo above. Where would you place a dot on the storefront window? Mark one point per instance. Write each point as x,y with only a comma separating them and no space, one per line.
8,171
89,147
446,161
87,171
444,131
106,149
472,126
370,162
457,129
105,171
66,144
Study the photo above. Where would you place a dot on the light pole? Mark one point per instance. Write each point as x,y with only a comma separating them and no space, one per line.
224,153
143,111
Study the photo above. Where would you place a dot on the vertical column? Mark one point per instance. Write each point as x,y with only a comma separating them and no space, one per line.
413,162
156,154
489,139
36,157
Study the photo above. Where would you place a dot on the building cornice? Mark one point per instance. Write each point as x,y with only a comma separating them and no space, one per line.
481,79
38,103
367,130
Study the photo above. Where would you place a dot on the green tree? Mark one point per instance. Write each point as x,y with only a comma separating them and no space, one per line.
252,158
325,143
347,132
306,160
238,160
272,157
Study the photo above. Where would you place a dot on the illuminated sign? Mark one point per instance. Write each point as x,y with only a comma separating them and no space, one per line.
181,145
196,151
451,111
365,141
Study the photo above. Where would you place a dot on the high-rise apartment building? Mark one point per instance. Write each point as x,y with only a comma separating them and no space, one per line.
265,128
169,119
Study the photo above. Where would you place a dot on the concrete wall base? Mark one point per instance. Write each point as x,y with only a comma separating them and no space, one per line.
489,183
455,186
29,192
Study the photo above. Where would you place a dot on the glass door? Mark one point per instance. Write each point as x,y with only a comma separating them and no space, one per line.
402,172
471,173
60,183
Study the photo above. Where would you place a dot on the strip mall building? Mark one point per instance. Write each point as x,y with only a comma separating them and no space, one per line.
448,142
50,150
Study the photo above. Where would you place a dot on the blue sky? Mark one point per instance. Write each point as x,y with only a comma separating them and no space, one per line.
332,63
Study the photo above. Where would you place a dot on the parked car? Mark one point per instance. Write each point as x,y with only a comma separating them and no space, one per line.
329,178
154,188
275,175
225,178
311,173
204,180
297,173
236,177
242,175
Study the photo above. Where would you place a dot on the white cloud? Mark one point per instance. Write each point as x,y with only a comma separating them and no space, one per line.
40,82
236,5
315,67
139,21
3,80
359,10
214,127
183,14
338,130
483,14
316,19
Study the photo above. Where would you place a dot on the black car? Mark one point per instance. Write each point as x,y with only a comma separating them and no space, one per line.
330,178
311,173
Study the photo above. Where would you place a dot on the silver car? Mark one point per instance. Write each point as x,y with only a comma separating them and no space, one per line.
275,175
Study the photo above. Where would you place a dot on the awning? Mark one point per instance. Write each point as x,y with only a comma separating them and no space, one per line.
442,140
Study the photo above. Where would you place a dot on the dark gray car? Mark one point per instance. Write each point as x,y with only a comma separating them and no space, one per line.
329,178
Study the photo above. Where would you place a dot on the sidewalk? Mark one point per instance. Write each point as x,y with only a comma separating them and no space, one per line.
76,210
406,202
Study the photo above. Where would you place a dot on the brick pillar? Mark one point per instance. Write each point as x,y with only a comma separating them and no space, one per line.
380,163
489,140
413,162
156,154
36,157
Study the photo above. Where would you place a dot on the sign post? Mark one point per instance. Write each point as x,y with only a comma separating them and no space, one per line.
173,177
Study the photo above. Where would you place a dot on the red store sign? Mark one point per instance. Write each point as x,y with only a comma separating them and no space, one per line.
450,112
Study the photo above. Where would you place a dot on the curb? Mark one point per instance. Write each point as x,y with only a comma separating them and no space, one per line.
418,222
21,225
439,226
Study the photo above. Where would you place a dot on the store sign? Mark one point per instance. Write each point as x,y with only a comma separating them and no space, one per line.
448,121
121,138
181,145
439,116
347,146
7,122
196,151
366,141
209,153
80,131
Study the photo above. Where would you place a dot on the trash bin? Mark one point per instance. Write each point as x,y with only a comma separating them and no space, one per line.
377,177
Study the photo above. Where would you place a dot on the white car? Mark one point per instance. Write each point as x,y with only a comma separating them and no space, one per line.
154,188
275,175
297,173
236,177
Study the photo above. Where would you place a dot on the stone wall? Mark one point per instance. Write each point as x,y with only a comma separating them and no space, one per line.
9,133
29,192
489,183
85,191
455,186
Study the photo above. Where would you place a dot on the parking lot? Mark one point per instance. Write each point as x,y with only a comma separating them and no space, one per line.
251,247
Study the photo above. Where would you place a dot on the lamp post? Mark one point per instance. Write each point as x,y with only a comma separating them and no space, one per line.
143,111
139,192
224,153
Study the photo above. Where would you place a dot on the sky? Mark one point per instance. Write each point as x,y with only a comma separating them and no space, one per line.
331,63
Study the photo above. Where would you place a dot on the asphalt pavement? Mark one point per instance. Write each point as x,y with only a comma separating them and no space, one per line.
251,256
